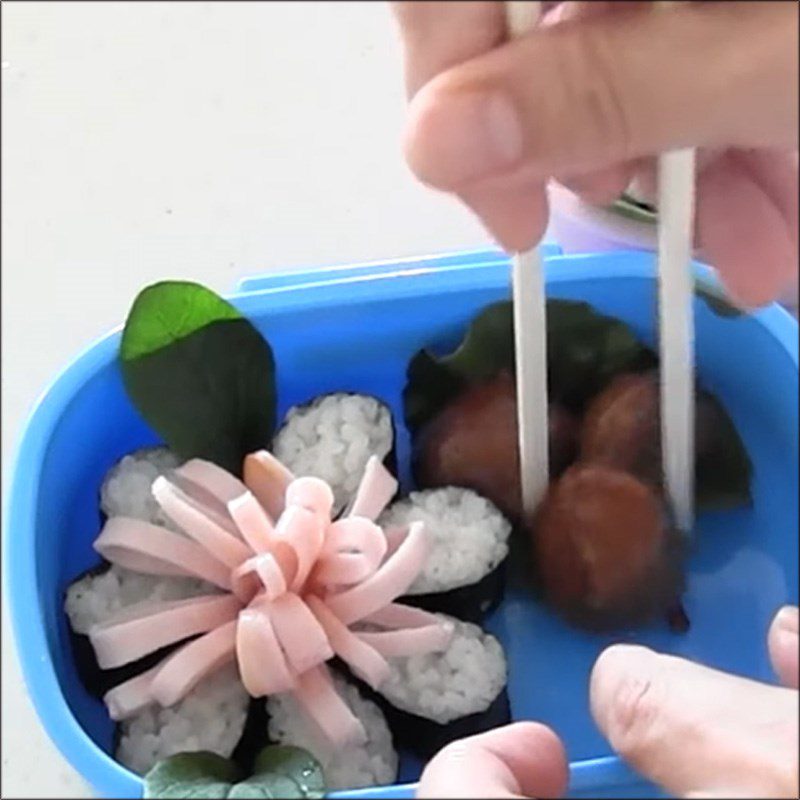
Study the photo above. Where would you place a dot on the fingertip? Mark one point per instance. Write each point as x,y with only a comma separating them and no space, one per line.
743,235
534,754
461,134
524,759
784,645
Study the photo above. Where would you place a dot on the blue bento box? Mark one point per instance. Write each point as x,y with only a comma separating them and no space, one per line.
356,328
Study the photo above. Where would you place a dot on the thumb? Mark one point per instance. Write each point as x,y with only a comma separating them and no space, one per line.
584,94
525,759
692,729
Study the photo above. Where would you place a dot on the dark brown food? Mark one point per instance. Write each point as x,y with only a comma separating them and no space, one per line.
621,428
473,443
605,553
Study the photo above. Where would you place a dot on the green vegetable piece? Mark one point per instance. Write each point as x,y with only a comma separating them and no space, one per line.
715,299
280,772
585,350
191,775
199,373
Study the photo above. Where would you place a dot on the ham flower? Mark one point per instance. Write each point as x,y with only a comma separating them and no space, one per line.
298,589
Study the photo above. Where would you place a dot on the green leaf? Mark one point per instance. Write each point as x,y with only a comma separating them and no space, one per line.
280,772
191,775
169,311
722,466
285,772
585,350
199,373
715,299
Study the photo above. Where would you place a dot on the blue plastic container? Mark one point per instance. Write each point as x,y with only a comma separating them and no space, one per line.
356,328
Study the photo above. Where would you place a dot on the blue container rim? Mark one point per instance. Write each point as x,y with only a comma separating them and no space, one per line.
304,288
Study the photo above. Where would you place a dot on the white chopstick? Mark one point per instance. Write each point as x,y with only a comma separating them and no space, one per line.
676,180
676,207
530,334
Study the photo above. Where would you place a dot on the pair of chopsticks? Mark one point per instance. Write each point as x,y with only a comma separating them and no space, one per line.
676,177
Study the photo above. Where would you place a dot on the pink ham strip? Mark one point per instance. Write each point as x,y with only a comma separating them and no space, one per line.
376,489
141,630
183,670
262,569
389,582
218,482
311,493
252,521
410,642
361,657
268,480
262,664
130,697
394,538
304,531
353,550
319,699
180,508
152,549
396,615
209,487
302,638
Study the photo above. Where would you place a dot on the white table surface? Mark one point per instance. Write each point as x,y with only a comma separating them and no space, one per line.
189,140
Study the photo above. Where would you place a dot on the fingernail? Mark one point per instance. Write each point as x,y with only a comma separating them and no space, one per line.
787,621
462,136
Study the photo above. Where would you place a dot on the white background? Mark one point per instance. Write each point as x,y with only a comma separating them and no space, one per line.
196,140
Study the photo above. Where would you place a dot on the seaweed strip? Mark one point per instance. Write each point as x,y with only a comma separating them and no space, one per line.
424,737
470,603
255,735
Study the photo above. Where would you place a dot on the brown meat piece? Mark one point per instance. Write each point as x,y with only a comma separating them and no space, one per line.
604,550
473,443
621,428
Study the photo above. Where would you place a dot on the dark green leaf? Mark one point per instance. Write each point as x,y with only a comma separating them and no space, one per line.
191,775
200,374
585,350
715,299
285,772
722,467
280,772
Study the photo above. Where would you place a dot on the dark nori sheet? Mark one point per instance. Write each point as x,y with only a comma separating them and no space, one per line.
470,603
254,736
423,737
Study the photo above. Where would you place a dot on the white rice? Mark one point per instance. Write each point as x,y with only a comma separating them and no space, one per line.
211,717
126,489
97,597
465,679
470,536
354,767
333,437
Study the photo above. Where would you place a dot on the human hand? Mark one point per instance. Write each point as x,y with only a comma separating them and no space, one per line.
698,732
591,98
694,731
